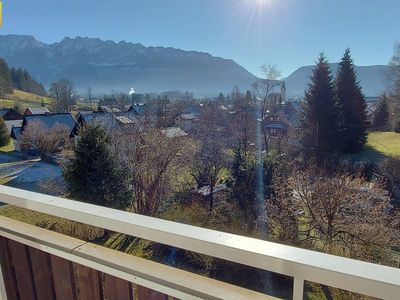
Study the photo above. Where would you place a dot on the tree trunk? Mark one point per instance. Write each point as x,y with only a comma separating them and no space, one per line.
211,197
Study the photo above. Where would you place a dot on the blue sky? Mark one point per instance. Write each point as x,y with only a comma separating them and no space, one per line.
288,33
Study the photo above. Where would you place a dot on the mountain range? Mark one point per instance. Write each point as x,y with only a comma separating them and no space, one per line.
373,79
108,66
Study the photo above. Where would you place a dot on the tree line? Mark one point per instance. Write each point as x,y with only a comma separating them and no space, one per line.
23,81
20,79
334,117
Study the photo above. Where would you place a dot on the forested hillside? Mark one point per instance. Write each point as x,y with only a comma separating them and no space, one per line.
19,79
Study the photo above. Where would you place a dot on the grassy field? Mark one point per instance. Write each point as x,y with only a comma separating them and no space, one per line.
8,148
387,143
29,97
23,100
60,225
380,145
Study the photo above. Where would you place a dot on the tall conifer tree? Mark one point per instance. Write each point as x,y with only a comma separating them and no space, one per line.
352,104
5,78
4,133
93,175
320,124
381,116
243,189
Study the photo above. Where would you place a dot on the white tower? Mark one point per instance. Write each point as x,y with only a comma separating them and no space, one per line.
132,93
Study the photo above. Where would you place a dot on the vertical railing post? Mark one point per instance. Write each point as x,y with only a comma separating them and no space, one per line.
298,288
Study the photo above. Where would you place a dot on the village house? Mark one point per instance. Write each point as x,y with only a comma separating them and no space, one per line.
106,109
9,114
275,126
11,117
281,114
186,121
277,94
173,132
36,111
108,120
142,109
47,120
371,108
281,117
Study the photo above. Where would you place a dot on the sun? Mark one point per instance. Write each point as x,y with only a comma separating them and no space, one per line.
258,3
261,3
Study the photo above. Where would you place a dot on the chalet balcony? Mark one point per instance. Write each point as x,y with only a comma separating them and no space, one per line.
40,264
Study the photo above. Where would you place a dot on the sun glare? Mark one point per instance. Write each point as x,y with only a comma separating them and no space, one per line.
261,2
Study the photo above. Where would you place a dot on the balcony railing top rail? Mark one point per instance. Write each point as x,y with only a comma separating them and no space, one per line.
352,275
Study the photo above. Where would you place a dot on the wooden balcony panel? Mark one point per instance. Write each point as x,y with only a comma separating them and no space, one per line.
82,270
42,274
23,270
88,283
63,278
10,282
116,288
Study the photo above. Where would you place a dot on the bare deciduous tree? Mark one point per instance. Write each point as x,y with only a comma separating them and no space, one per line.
209,158
263,89
394,88
338,214
62,93
208,163
89,100
394,75
45,140
122,100
151,160
389,168
243,123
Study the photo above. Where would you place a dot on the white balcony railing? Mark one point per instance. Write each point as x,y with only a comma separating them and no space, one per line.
351,275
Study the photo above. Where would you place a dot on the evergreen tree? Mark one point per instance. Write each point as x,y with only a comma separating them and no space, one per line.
244,183
397,127
248,100
93,175
5,79
221,98
243,186
353,106
23,81
381,116
4,133
320,122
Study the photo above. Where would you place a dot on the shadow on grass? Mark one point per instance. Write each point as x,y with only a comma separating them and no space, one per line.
369,154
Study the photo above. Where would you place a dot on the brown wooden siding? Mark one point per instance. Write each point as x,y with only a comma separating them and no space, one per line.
31,274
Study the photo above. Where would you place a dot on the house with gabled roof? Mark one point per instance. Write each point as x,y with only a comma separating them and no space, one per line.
10,114
173,132
48,121
106,120
36,111
11,117
143,109
186,121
